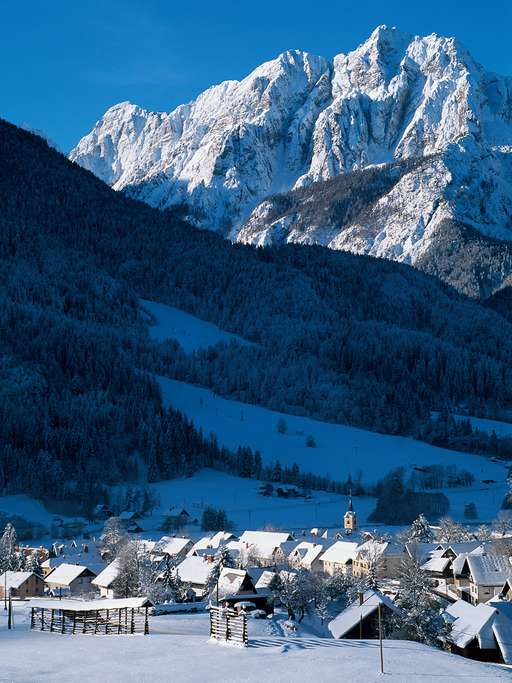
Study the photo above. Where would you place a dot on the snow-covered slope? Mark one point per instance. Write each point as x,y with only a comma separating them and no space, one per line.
340,450
178,649
298,119
192,333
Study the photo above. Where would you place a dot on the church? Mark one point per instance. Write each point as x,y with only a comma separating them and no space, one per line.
350,518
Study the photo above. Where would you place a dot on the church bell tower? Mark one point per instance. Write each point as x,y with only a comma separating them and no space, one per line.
350,518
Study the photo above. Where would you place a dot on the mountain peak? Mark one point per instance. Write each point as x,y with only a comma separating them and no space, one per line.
298,119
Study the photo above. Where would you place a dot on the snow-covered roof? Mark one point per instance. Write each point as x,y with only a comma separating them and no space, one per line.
462,547
458,563
65,574
145,544
214,542
221,537
264,580
106,577
351,616
266,543
421,552
86,605
489,570
171,546
340,552
129,515
306,553
10,579
265,538
502,627
194,570
231,580
379,548
202,543
470,621
436,564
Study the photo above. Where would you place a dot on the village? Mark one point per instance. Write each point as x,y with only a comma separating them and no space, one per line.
444,586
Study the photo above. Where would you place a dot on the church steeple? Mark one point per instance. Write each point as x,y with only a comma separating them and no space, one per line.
350,517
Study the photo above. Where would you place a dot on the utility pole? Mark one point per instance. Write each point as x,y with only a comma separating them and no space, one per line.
9,614
380,643
5,589
361,616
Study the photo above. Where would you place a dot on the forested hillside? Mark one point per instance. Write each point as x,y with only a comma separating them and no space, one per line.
340,337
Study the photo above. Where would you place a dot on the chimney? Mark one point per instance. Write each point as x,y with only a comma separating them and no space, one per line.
361,598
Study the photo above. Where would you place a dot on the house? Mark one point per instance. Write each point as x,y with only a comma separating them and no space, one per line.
385,557
264,579
194,570
482,632
131,521
438,568
128,516
48,566
421,552
487,575
221,538
237,585
106,578
75,579
174,521
307,555
21,585
339,557
502,627
170,547
264,545
102,512
361,618
454,549
506,591
41,553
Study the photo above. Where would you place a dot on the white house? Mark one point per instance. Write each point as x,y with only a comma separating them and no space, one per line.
106,578
72,578
307,555
264,545
487,575
482,631
170,547
339,557
195,570
21,585
385,556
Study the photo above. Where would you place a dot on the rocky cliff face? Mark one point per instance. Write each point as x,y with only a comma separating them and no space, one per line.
299,120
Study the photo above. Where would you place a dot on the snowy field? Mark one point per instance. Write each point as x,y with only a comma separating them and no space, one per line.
178,650
340,450
238,496
248,510
192,333
502,429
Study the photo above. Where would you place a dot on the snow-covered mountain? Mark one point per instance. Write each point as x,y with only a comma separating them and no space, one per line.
300,119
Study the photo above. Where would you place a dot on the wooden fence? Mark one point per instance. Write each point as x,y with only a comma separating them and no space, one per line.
228,625
117,621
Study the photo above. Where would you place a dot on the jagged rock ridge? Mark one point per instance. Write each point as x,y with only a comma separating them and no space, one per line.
300,119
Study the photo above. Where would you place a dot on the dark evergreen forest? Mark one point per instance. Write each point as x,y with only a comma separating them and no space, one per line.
335,336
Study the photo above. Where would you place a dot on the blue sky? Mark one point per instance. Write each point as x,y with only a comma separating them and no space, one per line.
63,63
